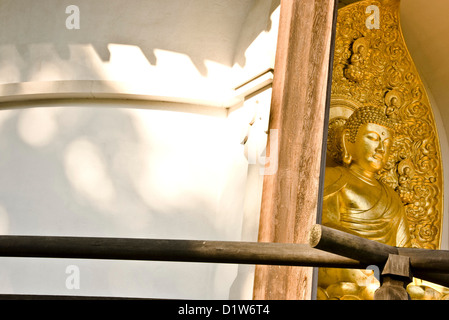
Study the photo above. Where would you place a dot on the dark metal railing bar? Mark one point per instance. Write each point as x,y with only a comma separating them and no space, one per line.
171,250
430,265
328,248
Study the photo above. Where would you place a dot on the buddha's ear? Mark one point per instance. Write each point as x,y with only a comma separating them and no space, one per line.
347,157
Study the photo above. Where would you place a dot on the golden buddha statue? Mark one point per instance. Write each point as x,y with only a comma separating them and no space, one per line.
356,202
374,67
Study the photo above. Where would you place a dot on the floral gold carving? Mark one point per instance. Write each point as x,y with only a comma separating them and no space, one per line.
374,67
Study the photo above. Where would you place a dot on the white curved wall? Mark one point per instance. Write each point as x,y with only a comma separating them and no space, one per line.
123,128
111,170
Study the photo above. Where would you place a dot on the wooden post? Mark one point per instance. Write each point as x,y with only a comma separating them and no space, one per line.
291,195
395,277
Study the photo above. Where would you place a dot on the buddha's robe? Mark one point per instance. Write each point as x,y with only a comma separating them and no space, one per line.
370,211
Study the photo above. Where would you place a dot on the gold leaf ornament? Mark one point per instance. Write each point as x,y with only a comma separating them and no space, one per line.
374,67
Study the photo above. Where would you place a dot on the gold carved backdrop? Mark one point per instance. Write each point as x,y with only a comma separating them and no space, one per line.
372,66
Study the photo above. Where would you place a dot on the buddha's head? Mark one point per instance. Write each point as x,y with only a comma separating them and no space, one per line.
367,138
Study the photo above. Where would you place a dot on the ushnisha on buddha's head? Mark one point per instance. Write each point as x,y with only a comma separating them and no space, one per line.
367,138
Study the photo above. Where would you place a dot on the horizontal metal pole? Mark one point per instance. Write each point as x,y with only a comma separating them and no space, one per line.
438,278
424,259
349,245
430,265
172,250
204,251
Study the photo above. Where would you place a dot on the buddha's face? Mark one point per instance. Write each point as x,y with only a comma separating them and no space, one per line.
371,148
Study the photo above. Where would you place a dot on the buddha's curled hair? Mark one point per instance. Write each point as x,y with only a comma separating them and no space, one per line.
367,114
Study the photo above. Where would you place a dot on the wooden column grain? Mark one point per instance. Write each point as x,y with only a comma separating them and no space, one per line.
290,198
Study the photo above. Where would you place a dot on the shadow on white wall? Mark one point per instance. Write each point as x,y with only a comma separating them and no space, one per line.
118,172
